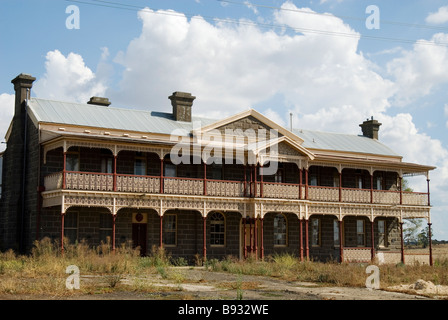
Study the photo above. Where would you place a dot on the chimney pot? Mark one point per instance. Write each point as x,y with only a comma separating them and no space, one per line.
100,101
370,128
182,103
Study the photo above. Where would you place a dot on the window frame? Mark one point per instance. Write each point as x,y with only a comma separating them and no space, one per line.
363,233
276,231
71,227
105,228
212,232
336,227
319,233
68,155
384,233
166,231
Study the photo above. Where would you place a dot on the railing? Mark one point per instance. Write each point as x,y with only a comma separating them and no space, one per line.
357,254
184,186
89,181
323,193
224,188
130,183
355,195
280,190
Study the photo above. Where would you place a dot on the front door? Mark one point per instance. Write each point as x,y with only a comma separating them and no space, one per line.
139,237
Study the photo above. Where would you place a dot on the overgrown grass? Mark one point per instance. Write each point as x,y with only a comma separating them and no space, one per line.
43,271
288,267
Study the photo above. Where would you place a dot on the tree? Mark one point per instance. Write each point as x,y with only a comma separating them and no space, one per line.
410,232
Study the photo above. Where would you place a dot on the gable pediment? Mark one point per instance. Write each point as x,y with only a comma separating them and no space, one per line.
249,122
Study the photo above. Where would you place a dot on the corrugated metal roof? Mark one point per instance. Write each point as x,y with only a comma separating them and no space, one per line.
50,111
59,112
342,142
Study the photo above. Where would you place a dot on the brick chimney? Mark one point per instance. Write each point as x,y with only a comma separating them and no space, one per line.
182,103
370,128
99,101
21,83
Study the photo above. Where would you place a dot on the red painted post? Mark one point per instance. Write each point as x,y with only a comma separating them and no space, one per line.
161,232
400,180
371,188
251,245
204,249
262,242
205,179
114,216
256,238
245,183
115,173
161,175
64,170
301,238
372,237
261,181
429,199
62,233
244,239
430,244
402,242
307,242
340,186
255,181
306,184
300,183
341,249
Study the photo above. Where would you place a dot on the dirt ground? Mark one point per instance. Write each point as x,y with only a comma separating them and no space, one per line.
199,284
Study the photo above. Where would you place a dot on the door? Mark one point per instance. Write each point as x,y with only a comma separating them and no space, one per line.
139,237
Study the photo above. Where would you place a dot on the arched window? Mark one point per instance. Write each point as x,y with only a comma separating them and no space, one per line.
217,229
280,230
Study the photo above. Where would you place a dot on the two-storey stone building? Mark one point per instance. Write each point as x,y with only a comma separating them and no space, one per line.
235,186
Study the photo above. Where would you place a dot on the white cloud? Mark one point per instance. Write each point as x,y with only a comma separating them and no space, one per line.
230,68
68,78
439,17
418,72
6,114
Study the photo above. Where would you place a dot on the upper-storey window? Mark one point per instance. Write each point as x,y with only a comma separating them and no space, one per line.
72,161
139,164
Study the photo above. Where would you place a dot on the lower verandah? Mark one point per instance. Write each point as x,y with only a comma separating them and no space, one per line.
186,234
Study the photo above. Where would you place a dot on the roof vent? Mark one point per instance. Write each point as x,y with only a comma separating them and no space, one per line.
100,101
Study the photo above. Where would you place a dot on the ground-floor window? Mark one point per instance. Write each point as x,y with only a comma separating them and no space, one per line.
360,233
336,233
315,232
382,233
280,230
217,229
71,226
169,229
105,229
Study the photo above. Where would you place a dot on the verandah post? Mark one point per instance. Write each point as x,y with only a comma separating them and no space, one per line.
402,242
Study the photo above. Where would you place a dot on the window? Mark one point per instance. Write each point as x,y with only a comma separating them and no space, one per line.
382,233
107,165
336,180
280,230
379,183
169,229
105,227
360,233
313,180
71,226
170,170
336,232
140,164
278,176
72,161
315,232
217,229
359,182
216,170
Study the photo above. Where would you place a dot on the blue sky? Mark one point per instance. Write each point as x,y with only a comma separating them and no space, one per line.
316,59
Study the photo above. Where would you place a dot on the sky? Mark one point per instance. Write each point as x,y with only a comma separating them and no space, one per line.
331,63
